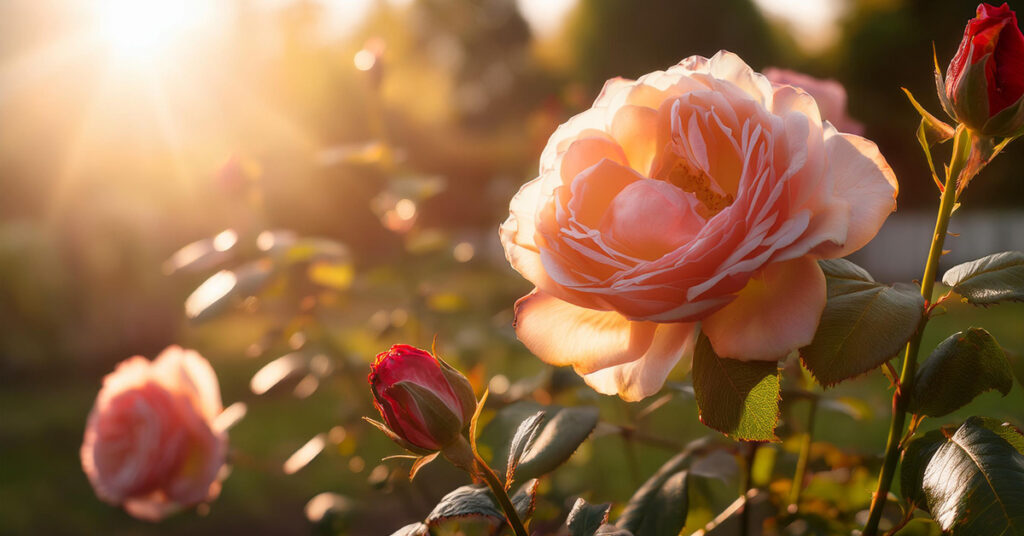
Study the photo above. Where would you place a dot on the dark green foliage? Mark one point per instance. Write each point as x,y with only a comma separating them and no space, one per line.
864,324
961,367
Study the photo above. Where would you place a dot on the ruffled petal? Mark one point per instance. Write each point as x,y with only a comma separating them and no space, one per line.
777,312
862,177
645,376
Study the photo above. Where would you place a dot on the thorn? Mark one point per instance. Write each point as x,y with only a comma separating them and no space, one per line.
954,235
945,251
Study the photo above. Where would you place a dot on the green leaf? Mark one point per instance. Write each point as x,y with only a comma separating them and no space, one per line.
612,530
660,506
315,249
961,367
920,527
560,434
414,529
738,398
203,255
477,502
916,457
226,288
1017,364
1005,430
995,278
466,502
525,499
975,483
524,437
864,324
585,518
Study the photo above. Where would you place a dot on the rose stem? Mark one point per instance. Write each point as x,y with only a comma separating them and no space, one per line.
748,483
901,397
802,461
499,492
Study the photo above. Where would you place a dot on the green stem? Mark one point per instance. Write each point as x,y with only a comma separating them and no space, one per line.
803,460
748,483
499,493
900,399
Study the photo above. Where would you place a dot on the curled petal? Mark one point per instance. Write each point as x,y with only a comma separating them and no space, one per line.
863,178
645,376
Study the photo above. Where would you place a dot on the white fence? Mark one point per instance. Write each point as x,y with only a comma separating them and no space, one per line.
899,251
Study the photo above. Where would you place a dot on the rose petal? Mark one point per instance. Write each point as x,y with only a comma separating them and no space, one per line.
864,179
636,128
645,376
649,204
777,312
561,333
586,152
185,371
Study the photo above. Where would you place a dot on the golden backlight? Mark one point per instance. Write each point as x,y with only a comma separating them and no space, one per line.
144,30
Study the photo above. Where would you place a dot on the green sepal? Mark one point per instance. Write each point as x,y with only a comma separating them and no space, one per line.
1008,122
970,94
443,425
937,131
940,86
397,438
462,388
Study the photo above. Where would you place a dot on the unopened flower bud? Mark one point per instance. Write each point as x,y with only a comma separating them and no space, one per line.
984,83
425,403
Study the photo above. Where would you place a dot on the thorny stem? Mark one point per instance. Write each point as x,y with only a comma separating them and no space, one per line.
465,457
901,397
499,492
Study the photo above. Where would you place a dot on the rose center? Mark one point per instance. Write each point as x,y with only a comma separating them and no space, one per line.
691,179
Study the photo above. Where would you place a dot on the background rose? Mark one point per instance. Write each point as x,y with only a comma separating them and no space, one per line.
703,193
829,94
150,442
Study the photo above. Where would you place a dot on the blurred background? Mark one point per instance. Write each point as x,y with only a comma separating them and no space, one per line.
340,169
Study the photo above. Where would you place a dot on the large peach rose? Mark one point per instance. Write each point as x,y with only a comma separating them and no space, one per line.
150,443
700,197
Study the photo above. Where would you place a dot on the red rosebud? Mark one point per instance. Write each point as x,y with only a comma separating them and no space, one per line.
425,403
985,81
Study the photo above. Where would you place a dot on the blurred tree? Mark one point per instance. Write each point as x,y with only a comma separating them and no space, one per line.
609,38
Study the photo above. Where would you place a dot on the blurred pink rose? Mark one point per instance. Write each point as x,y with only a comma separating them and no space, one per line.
701,195
150,443
829,94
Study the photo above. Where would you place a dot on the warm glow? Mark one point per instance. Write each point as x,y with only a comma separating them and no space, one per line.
145,29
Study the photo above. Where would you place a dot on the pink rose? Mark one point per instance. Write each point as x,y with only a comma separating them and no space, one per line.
829,94
701,196
150,442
